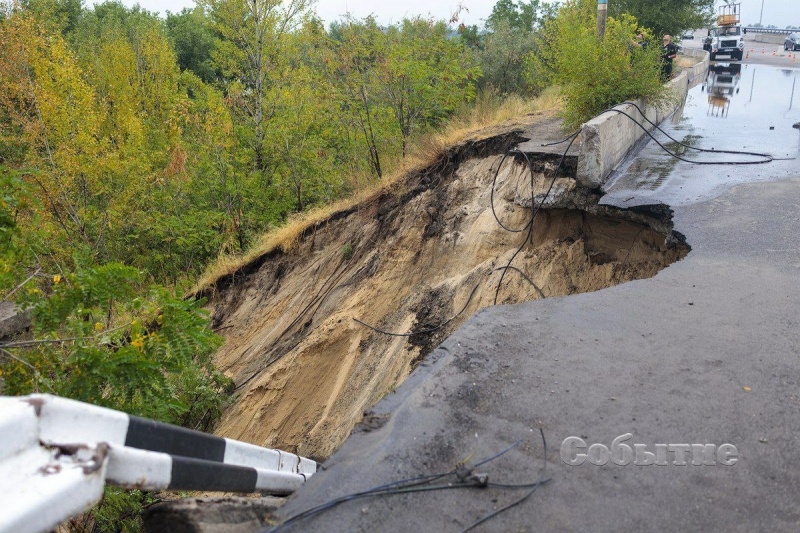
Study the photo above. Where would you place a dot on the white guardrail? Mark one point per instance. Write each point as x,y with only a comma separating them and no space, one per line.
57,454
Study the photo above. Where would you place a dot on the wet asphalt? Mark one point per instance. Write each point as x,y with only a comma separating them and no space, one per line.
740,107
706,352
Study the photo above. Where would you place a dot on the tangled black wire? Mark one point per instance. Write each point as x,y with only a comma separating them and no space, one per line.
765,158
534,210
465,478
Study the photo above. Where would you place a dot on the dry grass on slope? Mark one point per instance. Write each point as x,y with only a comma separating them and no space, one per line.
482,120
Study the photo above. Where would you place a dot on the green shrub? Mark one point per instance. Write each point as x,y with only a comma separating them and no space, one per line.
503,56
119,512
101,334
347,250
103,338
595,74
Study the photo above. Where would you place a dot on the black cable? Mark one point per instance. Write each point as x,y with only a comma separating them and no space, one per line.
707,150
424,331
352,497
534,488
498,455
529,226
507,267
494,186
562,141
518,485
535,212
405,486
767,157
656,126
524,275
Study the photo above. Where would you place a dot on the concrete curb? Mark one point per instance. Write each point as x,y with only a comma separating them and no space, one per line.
607,140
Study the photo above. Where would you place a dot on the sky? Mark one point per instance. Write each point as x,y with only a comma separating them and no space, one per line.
778,12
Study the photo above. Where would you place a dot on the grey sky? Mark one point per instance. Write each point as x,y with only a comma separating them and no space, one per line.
778,12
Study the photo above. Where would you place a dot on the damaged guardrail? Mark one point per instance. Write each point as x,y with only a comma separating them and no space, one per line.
57,454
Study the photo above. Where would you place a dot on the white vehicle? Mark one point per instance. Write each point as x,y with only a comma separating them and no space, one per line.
728,38
729,41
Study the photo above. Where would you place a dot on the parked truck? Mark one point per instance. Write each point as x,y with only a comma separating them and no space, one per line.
727,38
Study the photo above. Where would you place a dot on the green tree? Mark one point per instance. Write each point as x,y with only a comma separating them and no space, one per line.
304,136
65,14
471,36
356,51
595,74
250,53
424,76
194,41
48,105
519,17
503,57
666,16
511,36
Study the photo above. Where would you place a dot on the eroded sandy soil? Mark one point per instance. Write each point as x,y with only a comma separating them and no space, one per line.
408,261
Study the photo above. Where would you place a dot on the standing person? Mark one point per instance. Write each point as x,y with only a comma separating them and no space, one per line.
670,53
640,42
707,42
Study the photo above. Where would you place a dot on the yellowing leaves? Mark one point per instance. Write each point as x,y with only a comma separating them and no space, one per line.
138,342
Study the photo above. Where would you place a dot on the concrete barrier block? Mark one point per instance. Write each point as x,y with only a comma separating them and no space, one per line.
590,149
767,38
606,140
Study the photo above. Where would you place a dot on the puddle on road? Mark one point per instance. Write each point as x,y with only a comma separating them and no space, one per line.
738,107
650,175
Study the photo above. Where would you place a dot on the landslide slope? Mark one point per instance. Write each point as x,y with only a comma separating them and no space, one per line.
408,259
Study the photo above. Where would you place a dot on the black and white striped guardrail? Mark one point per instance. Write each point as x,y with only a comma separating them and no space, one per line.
131,467
56,454
186,459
